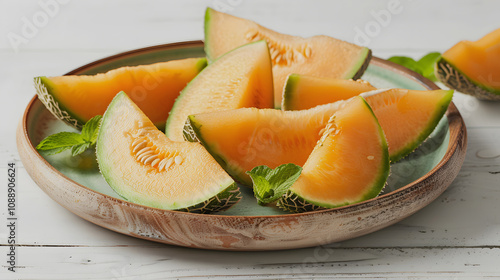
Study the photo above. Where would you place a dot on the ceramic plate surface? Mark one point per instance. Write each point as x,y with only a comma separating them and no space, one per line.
76,184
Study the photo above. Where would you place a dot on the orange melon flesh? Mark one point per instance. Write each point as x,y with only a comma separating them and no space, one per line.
190,177
479,60
238,79
318,55
304,92
245,138
407,116
350,162
153,88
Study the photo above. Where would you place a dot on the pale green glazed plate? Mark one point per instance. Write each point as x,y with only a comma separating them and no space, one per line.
421,166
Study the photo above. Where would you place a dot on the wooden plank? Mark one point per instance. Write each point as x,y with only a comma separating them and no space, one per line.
166,262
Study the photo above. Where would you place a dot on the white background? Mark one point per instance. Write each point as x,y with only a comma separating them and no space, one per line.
456,237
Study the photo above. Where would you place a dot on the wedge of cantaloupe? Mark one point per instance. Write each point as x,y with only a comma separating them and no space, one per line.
473,67
75,99
319,55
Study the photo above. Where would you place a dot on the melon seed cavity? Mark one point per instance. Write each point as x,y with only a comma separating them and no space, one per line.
282,54
146,153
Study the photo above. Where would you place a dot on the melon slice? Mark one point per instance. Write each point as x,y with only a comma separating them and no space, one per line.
304,92
319,55
245,138
154,88
407,117
241,78
349,164
142,165
473,67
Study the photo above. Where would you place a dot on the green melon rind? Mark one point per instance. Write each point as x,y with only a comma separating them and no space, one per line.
433,122
201,64
192,133
226,198
289,92
220,202
44,90
193,81
208,52
294,202
360,67
452,77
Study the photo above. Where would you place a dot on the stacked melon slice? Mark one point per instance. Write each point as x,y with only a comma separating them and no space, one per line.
147,167
338,137
318,55
407,116
274,137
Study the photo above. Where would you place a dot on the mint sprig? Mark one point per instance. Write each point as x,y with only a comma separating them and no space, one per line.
78,143
424,66
270,184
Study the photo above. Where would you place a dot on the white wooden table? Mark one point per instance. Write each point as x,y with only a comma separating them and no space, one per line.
455,237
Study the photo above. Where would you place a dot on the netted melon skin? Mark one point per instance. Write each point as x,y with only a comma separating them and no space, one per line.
454,79
53,106
220,202
291,202
188,132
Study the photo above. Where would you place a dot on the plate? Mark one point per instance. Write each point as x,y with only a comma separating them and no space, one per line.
75,182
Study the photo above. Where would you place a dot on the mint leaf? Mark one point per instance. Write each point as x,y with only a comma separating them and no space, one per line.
50,152
407,62
60,140
270,184
424,66
78,143
427,65
91,129
80,148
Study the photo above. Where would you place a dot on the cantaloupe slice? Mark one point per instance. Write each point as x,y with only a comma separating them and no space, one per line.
319,55
304,92
407,117
76,99
473,67
141,164
245,138
240,78
349,164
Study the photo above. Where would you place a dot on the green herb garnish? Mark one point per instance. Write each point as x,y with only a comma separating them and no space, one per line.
270,184
77,142
424,66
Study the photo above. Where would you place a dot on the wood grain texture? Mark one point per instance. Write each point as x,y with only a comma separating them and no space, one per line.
170,262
